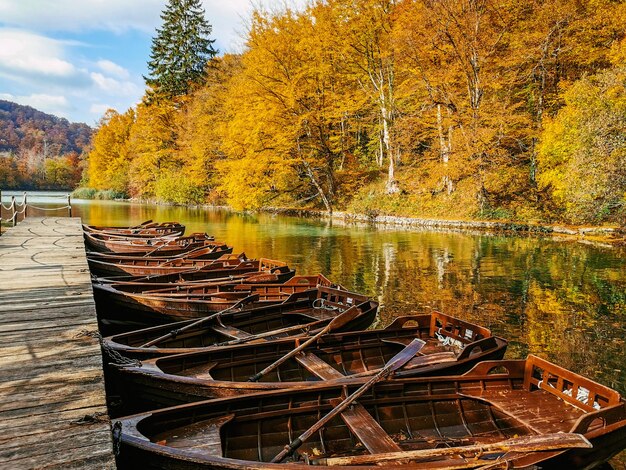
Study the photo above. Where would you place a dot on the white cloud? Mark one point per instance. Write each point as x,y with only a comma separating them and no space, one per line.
76,77
121,15
27,53
228,18
113,86
53,104
85,15
99,109
111,68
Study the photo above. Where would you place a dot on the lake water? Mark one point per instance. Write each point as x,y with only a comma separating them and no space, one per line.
561,300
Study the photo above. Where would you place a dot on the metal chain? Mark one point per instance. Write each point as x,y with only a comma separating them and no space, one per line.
114,356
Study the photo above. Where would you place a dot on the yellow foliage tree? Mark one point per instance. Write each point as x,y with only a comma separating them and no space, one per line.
582,155
151,145
110,159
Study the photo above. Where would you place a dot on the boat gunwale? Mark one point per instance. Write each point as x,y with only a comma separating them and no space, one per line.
515,370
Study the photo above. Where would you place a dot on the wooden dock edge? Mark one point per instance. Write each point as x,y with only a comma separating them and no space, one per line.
52,399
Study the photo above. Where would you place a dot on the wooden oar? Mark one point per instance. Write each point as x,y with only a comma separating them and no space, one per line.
142,224
287,329
394,363
534,443
170,242
337,322
176,332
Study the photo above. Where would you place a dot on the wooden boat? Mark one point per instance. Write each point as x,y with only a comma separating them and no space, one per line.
198,277
147,229
452,347
148,246
120,303
298,315
207,259
501,414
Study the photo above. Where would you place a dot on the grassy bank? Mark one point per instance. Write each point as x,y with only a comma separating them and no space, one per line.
99,194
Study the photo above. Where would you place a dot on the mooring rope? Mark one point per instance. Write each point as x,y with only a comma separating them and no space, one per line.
49,208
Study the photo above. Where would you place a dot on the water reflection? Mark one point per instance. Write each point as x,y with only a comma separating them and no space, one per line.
564,301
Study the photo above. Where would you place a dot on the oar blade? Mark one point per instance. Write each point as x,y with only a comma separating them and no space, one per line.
405,355
343,318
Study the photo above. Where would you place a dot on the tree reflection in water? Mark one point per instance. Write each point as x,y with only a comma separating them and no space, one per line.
562,300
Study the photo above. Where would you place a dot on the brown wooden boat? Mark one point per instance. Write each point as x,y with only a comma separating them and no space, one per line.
206,259
147,229
452,347
501,414
299,315
148,246
128,270
197,277
121,303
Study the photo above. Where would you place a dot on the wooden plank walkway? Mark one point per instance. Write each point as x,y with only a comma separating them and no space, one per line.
52,400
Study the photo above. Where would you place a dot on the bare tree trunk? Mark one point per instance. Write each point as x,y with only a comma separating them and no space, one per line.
392,185
311,175
444,150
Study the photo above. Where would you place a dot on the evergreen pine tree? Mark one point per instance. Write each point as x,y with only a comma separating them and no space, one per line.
180,51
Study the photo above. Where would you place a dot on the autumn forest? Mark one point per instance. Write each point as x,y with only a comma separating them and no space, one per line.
490,109
39,150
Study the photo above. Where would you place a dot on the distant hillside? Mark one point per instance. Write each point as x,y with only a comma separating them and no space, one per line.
25,128
39,150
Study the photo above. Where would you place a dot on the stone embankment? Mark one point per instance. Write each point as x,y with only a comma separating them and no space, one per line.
607,234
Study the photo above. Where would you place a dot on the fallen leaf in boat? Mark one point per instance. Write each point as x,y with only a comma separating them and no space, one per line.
161,443
316,451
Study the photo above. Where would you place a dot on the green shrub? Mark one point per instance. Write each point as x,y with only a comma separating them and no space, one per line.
176,188
84,193
100,194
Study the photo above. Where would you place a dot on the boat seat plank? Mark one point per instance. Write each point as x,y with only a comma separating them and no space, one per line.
201,438
314,313
367,430
539,410
358,420
317,366
231,332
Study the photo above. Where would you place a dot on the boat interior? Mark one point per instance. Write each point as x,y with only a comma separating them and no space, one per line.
495,401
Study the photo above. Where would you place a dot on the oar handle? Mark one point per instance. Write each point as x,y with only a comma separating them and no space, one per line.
288,450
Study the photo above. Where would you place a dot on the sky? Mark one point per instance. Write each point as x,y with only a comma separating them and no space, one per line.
78,58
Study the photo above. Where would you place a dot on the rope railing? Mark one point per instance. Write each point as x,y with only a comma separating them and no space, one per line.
15,209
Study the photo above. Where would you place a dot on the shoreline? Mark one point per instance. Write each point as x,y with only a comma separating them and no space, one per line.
608,236
604,236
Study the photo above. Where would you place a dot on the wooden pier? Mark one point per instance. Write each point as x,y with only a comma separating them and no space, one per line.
52,400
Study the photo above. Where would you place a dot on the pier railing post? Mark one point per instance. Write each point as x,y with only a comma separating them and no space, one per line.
69,205
25,206
13,211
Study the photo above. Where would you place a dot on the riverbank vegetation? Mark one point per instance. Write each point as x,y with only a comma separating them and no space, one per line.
432,108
